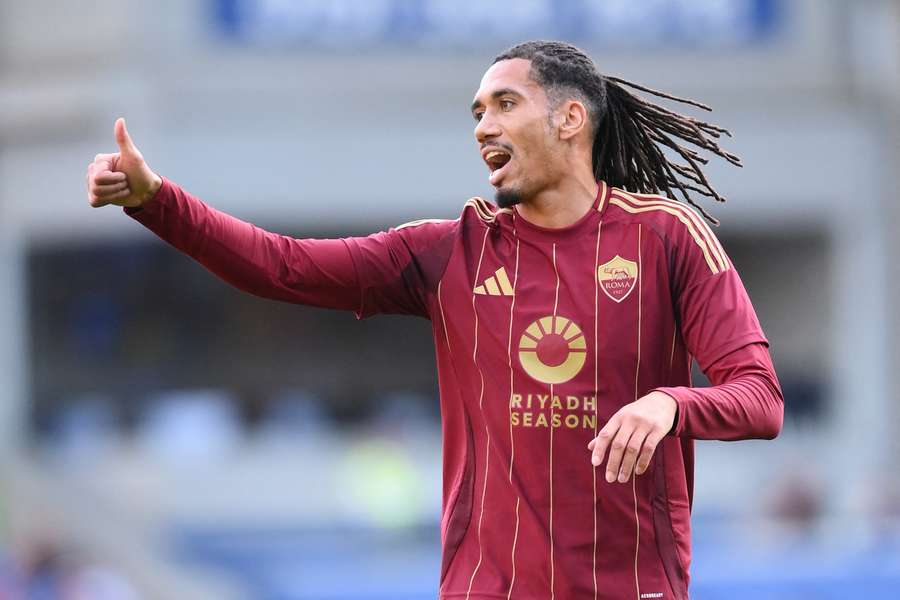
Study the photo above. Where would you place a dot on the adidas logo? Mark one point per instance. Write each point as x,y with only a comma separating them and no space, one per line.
496,285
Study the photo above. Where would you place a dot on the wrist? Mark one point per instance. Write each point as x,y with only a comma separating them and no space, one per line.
668,408
155,185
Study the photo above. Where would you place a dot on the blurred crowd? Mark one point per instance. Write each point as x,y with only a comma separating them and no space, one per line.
48,570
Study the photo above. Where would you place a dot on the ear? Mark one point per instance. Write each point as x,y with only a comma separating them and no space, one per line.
572,118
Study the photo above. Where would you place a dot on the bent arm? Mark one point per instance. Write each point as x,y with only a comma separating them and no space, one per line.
302,271
744,402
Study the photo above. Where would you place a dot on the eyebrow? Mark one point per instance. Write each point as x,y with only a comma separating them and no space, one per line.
495,95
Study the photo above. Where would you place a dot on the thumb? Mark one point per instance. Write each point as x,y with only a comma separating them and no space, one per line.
126,146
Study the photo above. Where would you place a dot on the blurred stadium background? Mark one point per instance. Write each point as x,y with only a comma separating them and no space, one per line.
165,436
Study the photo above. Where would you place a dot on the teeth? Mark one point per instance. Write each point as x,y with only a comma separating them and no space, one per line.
494,153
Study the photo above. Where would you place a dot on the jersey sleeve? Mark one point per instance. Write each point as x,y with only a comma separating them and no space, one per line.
744,402
399,269
713,309
721,331
365,274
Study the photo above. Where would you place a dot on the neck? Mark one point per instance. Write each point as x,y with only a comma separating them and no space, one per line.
563,204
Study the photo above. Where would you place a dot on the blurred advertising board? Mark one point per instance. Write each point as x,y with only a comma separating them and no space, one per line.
453,24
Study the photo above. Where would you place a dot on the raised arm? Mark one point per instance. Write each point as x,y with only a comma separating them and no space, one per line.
391,271
314,272
278,267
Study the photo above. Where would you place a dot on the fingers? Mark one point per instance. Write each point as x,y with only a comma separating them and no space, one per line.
629,458
631,443
647,451
98,201
105,162
618,450
599,444
105,186
109,178
104,191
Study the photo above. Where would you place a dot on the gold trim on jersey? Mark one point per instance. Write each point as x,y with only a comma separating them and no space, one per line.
487,464
672,355
551,327
484,210
512,439
443,319
512,581
487,433
596,386
637,374
699,222
707,242
422,222
602,194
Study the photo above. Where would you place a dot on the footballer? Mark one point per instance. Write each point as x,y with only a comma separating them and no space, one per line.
565,315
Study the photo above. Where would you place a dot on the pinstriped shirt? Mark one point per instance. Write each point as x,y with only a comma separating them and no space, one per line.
541,335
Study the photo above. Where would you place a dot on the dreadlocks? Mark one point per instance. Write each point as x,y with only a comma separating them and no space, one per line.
629,131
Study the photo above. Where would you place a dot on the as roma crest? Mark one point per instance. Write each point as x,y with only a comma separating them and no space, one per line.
617,277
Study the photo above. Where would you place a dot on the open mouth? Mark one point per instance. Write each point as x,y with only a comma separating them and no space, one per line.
496,161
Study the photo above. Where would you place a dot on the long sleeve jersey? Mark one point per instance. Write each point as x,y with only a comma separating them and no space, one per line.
541,335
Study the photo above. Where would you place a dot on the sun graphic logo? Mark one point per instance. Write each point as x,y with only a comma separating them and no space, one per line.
552,350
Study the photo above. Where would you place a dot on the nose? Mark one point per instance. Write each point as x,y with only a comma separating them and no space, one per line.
486,129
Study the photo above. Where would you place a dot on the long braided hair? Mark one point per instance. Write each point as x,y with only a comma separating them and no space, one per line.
630,132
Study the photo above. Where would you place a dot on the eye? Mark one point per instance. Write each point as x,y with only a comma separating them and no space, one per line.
506,105
478,114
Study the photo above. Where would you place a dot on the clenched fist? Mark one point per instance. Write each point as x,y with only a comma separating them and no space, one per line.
123,178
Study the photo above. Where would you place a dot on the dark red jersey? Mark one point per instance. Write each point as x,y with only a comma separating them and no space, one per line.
541,336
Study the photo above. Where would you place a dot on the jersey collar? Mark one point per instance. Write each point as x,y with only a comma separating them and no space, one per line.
585,224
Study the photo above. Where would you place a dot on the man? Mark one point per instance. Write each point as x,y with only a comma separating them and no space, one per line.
565,323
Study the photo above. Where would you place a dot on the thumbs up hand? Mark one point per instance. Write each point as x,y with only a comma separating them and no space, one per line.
123,178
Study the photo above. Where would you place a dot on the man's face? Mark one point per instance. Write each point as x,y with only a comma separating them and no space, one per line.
514,132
